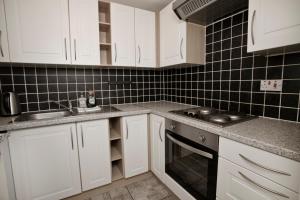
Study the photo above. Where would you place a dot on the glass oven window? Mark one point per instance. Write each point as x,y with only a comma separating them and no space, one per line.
194,172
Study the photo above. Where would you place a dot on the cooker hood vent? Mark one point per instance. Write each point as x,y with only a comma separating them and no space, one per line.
206,11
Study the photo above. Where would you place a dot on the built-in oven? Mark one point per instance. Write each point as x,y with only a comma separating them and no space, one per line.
191,159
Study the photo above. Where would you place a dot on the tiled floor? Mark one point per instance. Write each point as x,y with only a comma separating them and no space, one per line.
143,187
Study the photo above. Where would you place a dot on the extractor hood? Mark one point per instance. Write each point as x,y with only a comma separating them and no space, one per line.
206,11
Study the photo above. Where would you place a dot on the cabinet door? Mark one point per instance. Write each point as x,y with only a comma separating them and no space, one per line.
235,182
157,127
94,153
122,35
4,53
45,162
84,28
38,31
135,145
273,24
145,38
172,38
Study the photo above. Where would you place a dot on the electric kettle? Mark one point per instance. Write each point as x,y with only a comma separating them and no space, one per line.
9,104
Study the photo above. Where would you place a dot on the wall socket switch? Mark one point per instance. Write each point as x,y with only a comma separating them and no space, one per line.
271,85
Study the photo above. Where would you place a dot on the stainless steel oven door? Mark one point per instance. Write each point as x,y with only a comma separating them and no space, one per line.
192,166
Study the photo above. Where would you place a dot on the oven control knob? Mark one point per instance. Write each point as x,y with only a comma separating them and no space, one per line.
172,126
202,138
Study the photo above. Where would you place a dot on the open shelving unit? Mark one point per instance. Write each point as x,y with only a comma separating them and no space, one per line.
116,148
105,32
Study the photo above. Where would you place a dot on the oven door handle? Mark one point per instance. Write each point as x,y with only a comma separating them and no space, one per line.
192,149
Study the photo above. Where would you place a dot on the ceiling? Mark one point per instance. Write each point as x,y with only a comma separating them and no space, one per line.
154,5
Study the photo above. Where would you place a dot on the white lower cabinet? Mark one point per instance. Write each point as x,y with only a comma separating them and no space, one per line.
45,162
135,144
94,153
235,182
157,132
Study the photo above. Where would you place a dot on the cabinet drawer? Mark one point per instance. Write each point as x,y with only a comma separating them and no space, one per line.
235,182
276,168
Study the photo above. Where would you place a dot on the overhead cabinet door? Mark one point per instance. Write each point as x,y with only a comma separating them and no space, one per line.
4,54
145,38
38,31
273,24
84,32
122,35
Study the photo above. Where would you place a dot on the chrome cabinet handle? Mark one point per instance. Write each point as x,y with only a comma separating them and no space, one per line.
116,53
127,135
72,142
82,139
181,43
192,149
1,50
263,187
252,23
264,167
66,53
139,54
160,131
75,49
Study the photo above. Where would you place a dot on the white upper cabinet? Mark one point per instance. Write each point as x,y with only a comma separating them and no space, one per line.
180,42
145,38
84,28
38,31
4,53
135,144
157,129
94,154
273,24
45,162
122,35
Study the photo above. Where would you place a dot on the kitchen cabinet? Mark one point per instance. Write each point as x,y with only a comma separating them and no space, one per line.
180,42
157,130
273,24
4,52
244,175
122,35
94,153
145,38
38,31
235,182
45,162
135,144
84,28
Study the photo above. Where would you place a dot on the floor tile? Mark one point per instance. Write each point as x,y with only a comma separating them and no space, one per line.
104,196
120,194
172,197
148,189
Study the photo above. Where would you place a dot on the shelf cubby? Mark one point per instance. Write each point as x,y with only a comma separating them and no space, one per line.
117,170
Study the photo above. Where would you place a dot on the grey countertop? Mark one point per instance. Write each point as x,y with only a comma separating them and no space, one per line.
275,136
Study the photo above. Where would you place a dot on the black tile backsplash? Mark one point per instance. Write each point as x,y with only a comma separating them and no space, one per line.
38,85
230,80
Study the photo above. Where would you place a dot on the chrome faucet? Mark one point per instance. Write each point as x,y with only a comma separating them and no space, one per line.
70,107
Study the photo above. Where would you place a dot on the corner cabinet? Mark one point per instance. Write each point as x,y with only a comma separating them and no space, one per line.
122,35
273,24
135,144
4,53
94,153
180,42
157,135
45,162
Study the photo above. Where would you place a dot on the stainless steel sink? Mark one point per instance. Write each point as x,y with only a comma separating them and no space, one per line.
43,115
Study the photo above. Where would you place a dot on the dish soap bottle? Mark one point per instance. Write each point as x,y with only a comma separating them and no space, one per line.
82,101
91,100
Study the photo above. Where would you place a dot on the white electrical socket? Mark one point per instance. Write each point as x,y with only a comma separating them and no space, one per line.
271,85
